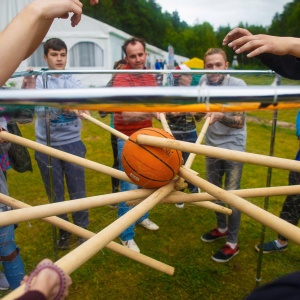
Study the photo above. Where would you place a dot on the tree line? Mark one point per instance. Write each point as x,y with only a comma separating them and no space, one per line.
144,18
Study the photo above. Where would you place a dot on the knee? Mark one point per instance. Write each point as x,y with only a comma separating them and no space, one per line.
9,257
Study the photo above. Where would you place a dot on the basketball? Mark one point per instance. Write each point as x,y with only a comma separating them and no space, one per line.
148,166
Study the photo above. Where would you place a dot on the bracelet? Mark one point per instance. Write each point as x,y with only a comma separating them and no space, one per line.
59,272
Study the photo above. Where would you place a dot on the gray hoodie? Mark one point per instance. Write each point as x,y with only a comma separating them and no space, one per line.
65,127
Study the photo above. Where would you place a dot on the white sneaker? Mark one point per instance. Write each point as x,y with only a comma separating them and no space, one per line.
149,224
131,245
179,205
4,285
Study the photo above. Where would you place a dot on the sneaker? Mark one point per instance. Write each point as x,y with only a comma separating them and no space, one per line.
213,235
114,206
4,285
63,240
270,247
131,245
149,224
179,205
225,254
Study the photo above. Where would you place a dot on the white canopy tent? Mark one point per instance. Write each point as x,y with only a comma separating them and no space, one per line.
92,45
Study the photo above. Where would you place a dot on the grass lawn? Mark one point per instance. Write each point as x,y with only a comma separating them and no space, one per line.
110,276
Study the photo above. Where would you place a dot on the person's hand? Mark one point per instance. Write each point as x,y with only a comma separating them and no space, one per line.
48,281
52,9
79,113
214,117
29,82
241,40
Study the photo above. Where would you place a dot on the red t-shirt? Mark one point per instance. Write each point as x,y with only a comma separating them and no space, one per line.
132,80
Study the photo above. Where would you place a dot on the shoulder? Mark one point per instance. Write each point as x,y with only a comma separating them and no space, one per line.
75,83
234,81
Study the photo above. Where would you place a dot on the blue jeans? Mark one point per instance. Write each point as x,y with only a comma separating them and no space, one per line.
14,269
215,170
190,137
73,174
128,234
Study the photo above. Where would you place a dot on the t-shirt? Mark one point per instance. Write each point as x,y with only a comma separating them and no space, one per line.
132,80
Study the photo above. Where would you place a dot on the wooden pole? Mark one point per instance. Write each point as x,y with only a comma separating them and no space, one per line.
55,209
282,227
79,231
177,196
106,127
74,259
245,157
64,156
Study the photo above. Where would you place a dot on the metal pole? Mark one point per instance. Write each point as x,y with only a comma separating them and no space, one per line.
50,168
268,184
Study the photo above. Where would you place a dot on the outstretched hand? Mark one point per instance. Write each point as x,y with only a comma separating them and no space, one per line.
241,40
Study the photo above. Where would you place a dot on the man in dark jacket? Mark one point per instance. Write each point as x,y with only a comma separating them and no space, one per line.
281,54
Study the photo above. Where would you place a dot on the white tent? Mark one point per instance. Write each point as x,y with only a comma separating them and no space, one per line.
92,45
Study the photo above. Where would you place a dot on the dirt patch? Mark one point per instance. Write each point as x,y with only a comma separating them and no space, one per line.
269,123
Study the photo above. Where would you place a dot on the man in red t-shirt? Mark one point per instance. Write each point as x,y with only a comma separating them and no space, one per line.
130,122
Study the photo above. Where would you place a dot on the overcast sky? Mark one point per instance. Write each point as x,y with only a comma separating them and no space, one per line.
224,12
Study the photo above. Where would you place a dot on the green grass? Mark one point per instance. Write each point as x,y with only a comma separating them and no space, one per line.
110,276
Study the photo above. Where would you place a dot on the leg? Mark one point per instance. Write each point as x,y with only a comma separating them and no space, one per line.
127,234
58,178
10,257
190,137
75,180
114,146
233,172
214,172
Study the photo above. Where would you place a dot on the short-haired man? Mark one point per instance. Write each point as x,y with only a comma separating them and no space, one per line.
65,135
227,131
129,122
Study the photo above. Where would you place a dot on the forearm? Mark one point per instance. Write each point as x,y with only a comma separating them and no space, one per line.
292,46
234,121
21,37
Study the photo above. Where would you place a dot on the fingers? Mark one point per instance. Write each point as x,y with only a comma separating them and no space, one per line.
29,82
94,2
234,34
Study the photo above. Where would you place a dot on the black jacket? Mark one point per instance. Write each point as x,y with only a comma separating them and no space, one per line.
286,65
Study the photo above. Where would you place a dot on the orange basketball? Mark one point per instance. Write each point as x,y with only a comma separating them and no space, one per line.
148,166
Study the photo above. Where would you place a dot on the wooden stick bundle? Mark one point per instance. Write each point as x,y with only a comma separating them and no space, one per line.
84,233
73,260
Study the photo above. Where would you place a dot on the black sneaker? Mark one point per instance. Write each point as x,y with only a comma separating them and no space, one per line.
225,254
270,247
80,241
63,240
213,235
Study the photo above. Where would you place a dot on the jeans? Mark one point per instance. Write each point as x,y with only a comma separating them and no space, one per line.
215,170
190,137
114,181
73,174
291,206
127,234
13,270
